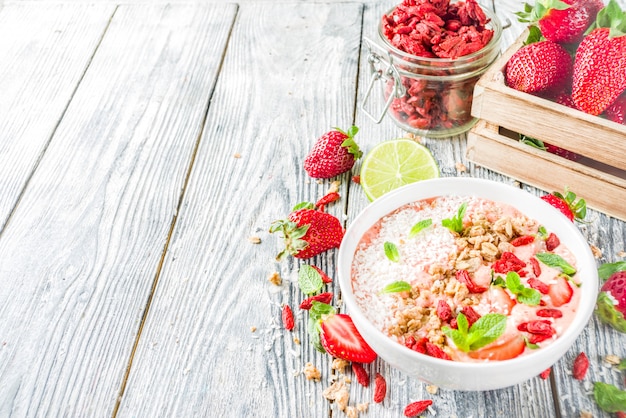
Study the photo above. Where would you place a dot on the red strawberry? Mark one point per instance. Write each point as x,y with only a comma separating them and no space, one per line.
509,348
334,153
500,300
562,21
539,67
611,307
600,62
308,232
568,205
616,112
560,292
341,339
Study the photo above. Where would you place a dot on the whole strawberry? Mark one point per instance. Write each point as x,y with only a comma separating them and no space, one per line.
611,305
617,110
567,205
552,149
539,67
600,62
308,231
334,153
562,21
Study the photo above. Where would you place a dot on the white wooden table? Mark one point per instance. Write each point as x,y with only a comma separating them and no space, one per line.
128,285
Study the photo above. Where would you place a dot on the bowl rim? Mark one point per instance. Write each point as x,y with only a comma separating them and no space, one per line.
585,263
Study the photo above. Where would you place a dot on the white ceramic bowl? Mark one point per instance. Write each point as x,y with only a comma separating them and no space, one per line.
460,375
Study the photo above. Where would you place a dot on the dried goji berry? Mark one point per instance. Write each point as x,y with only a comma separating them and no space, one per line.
325,297
380,388
471,315
508,262
443,310
415,408
325,277
287,315
523,240
549,313
552,241
620,414
535,265
537,338
330,197
436,351
464,277
545,374
539,286
356,179
361,374
419,346
541,326
580,366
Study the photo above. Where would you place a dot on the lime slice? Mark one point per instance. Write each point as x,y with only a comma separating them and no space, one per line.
394,163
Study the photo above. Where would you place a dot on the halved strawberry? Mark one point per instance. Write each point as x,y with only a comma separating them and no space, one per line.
567,205
341,339
500,300
508,349
560,292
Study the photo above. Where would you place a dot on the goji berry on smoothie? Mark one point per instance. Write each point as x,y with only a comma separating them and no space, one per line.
465,278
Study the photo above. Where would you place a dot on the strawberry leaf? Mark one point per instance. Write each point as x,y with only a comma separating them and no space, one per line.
608,269
303,205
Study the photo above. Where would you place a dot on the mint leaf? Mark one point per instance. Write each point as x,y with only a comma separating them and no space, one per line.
530,345
462,323
391,251
513,282
303,205
319,309
455,223
608,269
526,295
486,330
556,261
395,287
309,280
609,398
419,227
458,337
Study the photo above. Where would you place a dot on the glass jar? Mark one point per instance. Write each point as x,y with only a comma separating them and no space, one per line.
431,97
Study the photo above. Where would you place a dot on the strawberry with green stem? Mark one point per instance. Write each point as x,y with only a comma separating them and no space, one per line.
611,305
334,153
600,63
568,205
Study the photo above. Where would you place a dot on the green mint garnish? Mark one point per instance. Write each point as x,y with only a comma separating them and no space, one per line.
309,280
419,227
303,205
542,232
608,269
526,295
484,331
455,223
556,261
391,251
396,287
609,398
530,345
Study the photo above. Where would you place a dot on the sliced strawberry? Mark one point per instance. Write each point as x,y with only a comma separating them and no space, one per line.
560,292
341,339
508,349
500,300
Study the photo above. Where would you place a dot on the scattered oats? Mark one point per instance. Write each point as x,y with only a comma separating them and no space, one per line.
253,329
362,407
586,414
311,372
338,392
460,167
254,239
339,365
432,389
347,380
516,183
319,181
296,340
237,155
621,253
597,253
275,279
334,187
351,412
612,359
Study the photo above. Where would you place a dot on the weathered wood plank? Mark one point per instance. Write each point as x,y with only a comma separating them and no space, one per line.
44,51
82,250
289,75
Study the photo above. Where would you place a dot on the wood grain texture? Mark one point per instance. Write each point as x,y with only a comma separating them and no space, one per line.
82,250
44,52
288,76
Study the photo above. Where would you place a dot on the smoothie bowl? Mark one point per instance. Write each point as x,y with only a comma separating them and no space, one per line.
467,284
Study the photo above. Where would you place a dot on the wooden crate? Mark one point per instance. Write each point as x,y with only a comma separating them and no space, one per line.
599,176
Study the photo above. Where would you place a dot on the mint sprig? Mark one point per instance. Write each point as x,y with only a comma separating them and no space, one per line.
609,398
608,269
455,224
526,295
396,287
309,280
391,251
419,227
486,330
556,261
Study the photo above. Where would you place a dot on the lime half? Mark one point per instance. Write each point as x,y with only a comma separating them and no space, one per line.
394,163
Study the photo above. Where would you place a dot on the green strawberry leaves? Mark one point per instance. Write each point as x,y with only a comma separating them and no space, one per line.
608,269
612,17
292,234
486,330
532,14
350,143
609,397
